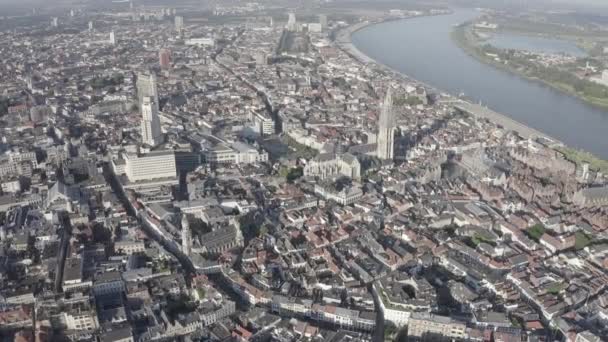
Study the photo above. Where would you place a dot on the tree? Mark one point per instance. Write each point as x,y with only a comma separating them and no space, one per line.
582,240
536,231
4,104
294,174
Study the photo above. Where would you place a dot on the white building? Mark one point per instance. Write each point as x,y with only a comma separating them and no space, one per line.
179,23
154,165
201,41
346,196
235,153
433,326
151,133
80,320
330,165
112,38
315,27
262,123
11,186
301,136
146,86
129,247
292,24
603,80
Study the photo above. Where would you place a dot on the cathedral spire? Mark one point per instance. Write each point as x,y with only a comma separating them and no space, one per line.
386,128
386,115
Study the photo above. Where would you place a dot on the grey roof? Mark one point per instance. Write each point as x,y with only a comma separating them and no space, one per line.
595,193
72,269
116,334
106,277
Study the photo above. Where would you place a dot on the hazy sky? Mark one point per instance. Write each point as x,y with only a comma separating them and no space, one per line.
571,4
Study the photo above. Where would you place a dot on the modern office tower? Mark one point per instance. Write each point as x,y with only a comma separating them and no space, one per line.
179,23
292,24
151,133
386,129
146,86
112,38
90,26
323,21
55,22
164,58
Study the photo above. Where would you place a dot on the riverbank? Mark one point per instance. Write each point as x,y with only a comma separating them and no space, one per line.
344,41
577,156
346,44
459,36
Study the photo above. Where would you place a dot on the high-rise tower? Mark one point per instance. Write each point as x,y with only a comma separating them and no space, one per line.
179,23
292,24
112,38
323,21
146,86
386,129
151,133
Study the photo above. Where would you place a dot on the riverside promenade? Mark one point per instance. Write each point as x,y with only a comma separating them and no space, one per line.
504,121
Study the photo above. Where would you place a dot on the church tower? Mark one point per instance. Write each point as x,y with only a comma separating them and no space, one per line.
386,129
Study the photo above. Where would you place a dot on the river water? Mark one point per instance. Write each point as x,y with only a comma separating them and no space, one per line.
536,44
422,48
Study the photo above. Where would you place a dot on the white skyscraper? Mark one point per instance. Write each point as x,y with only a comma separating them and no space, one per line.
179,23
90,26
386,129
146,86
292,24
112,38
151,133
323,21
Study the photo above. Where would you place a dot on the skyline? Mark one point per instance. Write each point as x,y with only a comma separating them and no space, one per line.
303,171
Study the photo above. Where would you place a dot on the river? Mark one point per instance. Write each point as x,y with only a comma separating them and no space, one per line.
423,49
